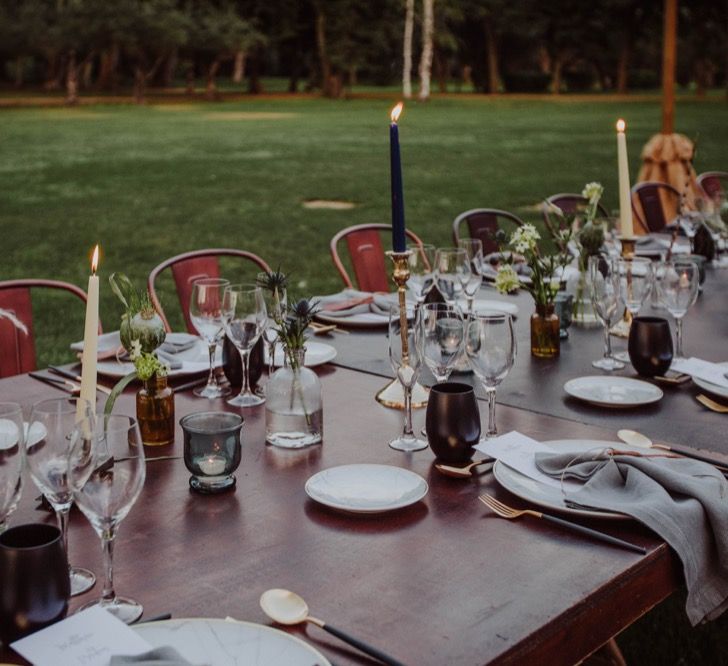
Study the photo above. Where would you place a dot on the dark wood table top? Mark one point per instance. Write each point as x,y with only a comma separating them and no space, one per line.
441,582
537,384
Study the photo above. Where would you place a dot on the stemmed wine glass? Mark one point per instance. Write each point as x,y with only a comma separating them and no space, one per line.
107,478
245,320
677,290
47,449
441,333
490,344
636,278
421,265
207,317
276,303
12,439
451,266
608,306
404,356
471,281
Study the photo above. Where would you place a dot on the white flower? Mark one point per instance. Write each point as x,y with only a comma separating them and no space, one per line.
506,280
524,238
136,350
593,192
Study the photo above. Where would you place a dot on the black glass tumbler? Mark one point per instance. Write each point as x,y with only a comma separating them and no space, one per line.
650,345
34,582
452,421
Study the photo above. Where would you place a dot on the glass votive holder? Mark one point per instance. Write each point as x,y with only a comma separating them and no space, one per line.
212,449
564,308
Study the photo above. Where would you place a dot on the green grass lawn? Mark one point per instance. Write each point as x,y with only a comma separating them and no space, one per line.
150,182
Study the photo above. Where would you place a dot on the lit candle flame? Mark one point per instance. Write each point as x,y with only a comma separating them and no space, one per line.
95,260
621,125
396,111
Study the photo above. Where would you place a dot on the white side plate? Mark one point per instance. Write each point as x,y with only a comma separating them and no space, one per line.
317,353
720,391
613,391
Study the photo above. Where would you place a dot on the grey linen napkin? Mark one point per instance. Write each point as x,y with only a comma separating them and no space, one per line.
684,501
380,304
162,656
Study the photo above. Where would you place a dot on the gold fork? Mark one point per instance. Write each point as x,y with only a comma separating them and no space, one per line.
712,404
505,511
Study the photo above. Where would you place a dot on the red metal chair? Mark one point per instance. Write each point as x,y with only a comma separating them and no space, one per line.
714,183
17,350
483,223
647,204
191,266
571,204
367,256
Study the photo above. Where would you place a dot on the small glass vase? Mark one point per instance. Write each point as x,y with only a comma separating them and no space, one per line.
545,338
155,412
583,313
294,404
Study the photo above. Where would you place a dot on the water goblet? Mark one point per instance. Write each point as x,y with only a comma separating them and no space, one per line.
636,278
405,359
206,315
52,431
11,458
440,334
245,320
608,306
276,303
421,264
471,282
450,265
490,344
107,479
677,290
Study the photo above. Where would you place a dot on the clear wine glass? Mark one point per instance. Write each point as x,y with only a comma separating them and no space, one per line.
490,344
441,334
12,439
206,315
677,290
47,449
608,305
276,303
107,479
451,268
421,263
472,281
404,356
636,279
245,321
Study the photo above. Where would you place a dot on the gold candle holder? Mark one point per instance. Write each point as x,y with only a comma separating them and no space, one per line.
392,395
628,245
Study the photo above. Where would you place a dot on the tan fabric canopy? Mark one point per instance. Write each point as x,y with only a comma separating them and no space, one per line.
667,158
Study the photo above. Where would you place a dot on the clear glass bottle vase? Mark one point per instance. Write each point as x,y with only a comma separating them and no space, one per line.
294,404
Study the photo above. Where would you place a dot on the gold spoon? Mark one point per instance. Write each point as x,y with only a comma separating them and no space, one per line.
642,441
461,472
286,607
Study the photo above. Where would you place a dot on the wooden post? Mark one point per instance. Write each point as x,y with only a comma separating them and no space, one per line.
668,67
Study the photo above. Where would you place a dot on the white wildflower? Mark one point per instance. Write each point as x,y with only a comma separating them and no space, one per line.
524,238
506,281
136,350
593,192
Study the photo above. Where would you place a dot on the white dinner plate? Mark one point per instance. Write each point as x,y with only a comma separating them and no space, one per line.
363,319
483,304
317,353
230,643
547,496
366,488
619,392
720,391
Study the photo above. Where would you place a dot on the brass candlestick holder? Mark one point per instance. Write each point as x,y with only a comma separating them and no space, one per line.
628,245
392,395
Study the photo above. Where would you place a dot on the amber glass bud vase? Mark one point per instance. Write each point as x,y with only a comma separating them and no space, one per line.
155,412
545,331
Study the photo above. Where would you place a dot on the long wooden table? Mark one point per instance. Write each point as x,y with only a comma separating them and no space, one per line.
441,582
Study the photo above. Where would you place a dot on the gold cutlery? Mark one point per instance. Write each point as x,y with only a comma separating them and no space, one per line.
712,404
462,472
505,511
642,441
77,378
63,384
320,329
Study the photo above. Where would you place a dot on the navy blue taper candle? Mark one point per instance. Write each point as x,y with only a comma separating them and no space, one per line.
399,240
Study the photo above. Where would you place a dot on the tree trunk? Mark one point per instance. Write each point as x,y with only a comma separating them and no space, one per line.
556,71
428,29
190,78
170,67
623,67
492,51
239,67
255,86
88,70
19,70
351,76
72,79
441,66
322,52
55,72
140,81
409,24
211,88
107,68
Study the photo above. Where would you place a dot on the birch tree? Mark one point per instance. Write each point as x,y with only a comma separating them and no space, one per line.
428,29
409,26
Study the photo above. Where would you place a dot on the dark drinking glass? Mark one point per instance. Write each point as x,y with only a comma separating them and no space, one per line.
650,345
452,422
34,581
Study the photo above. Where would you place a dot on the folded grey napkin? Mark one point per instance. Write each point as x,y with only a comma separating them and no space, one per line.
684,501
379,305
162,656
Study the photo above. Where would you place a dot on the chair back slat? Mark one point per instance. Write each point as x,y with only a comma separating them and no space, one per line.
651,210
17,350
570,204
185,272
367,256
483,223
712,183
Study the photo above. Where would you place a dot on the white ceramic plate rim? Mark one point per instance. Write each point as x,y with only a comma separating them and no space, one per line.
491,304
348,508
720,391
317,353
113,368
509,479
657,393
265,628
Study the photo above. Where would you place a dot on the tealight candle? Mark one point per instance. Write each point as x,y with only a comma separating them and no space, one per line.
212,465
